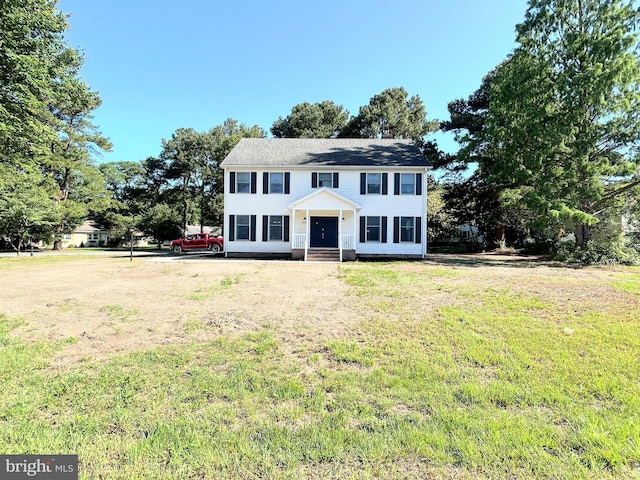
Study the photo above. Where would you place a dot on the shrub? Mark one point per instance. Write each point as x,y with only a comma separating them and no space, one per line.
598,253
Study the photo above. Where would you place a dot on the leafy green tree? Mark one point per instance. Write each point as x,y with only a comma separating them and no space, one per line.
192,160
26,207
45,111
563,123
467,121
441,225
318,120
391,114
69,161
161,222
33,57
127,197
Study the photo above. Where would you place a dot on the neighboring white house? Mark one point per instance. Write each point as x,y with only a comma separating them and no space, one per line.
468,233
354,197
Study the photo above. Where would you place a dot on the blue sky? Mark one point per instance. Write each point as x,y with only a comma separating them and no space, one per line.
160,65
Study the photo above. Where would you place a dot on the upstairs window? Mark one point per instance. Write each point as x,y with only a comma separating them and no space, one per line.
373,184
407,184
276,182
324,179
242,182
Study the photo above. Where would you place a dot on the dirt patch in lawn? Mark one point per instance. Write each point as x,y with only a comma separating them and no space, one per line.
109,305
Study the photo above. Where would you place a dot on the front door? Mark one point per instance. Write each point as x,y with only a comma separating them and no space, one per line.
324,232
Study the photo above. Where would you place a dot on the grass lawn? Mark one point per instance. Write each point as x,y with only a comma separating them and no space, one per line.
443,376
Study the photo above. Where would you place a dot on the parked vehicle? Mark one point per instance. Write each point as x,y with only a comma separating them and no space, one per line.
197,241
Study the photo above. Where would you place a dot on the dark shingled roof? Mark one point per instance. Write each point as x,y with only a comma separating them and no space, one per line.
340,152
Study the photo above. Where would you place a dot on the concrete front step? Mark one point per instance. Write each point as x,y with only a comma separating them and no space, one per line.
323,256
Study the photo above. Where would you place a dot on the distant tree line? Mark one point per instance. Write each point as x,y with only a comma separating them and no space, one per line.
548,159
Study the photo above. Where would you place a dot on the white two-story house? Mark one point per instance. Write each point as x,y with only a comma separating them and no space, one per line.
351,198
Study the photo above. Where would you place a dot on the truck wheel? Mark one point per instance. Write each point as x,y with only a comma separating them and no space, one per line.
214,247
177,249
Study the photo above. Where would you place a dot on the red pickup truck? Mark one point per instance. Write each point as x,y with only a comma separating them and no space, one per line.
198,241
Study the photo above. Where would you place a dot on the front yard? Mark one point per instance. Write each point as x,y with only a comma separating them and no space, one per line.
220,369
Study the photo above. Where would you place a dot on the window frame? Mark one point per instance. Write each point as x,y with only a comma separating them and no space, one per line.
272,183
369,183
271,226
406,184
321,182
238,225
369,227
317,183
405,228
238,183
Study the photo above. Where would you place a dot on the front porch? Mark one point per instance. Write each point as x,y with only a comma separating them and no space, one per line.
324,222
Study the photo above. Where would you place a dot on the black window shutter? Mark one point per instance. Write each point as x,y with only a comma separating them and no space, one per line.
335,179
396,229
396,184
232,182
254,180
314,180
287,182
418,230
418,184
232,228
385,180
253,228
265,182
265,228
363,229
363,183
285,234
383,226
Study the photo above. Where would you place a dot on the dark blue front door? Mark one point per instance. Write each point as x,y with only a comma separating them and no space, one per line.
324,232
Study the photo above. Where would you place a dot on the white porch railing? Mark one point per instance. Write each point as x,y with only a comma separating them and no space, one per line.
348,242
299,240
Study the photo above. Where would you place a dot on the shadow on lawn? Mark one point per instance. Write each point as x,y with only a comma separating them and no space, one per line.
491,259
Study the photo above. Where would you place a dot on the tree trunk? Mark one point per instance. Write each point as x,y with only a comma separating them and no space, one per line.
202,204
57,243
185,203
499,235
583,234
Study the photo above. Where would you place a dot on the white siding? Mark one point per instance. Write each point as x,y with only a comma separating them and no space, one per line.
389,205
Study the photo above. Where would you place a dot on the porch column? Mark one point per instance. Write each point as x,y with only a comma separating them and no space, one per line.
307,233
293,230
355,234
340,234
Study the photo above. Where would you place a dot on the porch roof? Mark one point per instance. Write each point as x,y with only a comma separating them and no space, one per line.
324,199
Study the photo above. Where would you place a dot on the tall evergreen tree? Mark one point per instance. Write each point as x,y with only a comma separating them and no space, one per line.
45,113
391,114
319,120
564,116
